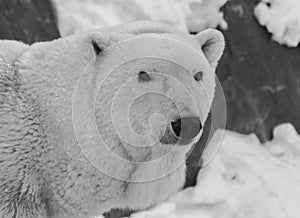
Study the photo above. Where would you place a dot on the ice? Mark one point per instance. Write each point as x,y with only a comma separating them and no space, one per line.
282,20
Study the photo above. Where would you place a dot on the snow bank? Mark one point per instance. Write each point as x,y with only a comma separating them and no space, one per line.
187,15
282,19
246,179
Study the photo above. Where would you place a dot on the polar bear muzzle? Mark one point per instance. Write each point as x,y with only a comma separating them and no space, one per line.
182,131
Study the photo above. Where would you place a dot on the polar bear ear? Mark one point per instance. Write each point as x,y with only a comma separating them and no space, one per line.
97,41
212,44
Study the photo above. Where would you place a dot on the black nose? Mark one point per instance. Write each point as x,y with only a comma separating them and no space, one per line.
187,127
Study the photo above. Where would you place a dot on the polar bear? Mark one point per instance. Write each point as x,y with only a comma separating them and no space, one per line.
53,163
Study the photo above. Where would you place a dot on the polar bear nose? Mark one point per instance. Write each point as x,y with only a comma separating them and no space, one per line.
186,128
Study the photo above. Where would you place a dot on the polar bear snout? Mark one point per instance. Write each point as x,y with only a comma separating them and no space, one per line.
186,128
182,131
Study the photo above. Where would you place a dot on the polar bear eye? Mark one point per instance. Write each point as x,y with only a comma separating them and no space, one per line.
144,77
198,76
96,48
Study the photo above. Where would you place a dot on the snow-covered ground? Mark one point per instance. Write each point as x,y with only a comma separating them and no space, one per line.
187,15
246,179
282,20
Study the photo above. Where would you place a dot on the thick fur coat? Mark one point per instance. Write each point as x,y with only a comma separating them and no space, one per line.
44,172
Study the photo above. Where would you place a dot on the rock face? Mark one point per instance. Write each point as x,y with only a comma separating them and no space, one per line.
260,79
27,20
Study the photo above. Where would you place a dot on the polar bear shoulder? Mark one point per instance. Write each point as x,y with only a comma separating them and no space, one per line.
19,136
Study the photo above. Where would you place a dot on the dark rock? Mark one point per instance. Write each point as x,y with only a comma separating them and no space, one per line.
27,20
260,78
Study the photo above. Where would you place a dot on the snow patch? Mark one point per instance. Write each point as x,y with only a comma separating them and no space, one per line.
282,20
202,14
246,179
76,16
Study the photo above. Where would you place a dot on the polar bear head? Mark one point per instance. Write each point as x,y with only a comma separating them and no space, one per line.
128,101
158,92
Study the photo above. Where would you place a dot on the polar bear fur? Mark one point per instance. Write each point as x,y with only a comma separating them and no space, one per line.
43,171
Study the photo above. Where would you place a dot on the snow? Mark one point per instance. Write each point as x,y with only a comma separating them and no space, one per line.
246,179
76,16
282,20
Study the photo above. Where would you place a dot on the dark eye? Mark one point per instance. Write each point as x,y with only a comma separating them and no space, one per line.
198,76
96,48
144,77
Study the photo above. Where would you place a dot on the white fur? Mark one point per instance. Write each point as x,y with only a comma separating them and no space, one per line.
69,184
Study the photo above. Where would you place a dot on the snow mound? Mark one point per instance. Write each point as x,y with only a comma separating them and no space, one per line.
246,179
76,16
282,19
